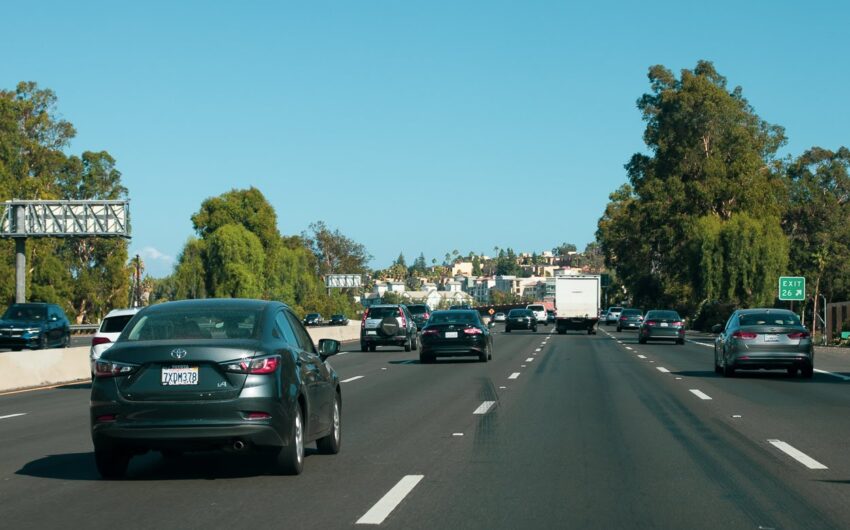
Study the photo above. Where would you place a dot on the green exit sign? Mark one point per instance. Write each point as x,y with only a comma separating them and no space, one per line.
792,288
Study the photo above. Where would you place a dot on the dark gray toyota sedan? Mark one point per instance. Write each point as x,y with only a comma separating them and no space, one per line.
214,374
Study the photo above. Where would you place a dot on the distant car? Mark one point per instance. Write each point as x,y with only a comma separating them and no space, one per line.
662,325
630,319
764,339
499,317
540,314
520,319
550,316
460,306
338,320
107,333
34,325
215,374
313,319
455,334
388,325
613,315
421,313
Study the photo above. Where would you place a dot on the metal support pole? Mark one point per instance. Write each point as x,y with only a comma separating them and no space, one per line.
20,270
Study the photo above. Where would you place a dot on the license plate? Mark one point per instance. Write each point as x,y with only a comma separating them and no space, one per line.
771,338
665,325
451,334
371,332
180,375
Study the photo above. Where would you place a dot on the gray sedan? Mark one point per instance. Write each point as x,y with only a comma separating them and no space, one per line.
755,339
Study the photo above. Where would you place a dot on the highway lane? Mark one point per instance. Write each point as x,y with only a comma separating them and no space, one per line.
582,433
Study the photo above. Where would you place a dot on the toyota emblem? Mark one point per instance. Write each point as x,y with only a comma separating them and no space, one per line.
178,353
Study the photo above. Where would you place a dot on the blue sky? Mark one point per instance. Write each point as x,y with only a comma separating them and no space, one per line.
410,126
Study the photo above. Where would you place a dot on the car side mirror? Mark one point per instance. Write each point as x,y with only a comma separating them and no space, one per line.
491,324
54,318
328,347
716,329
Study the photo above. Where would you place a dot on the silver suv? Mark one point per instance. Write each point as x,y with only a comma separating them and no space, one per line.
613,315
388,325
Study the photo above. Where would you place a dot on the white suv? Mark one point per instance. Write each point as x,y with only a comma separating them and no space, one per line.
110,327
539,311
613,315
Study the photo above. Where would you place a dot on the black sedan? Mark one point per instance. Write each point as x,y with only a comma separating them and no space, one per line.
313,319
214,374
662,325
455,333
520,319
339,320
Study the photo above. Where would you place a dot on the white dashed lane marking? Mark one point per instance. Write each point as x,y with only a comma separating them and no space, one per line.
662,369
7,416
350,379
797,455
513,375
839,376
700,394
529,359
484,407
642,356
384,507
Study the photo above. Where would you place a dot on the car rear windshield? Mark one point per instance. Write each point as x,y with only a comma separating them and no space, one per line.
536,308
312,315
383,312
769,319
520,313
115,324
22,312
454,317
615,309
630,312
201,323
663,315
417,309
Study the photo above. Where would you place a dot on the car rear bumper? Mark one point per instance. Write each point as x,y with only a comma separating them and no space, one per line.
520,325
194,437
453,348
378,340
773,361
662,333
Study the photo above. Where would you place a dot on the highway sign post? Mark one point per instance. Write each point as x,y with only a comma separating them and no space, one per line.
792,288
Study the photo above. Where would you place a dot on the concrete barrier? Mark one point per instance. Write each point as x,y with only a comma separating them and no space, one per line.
34,368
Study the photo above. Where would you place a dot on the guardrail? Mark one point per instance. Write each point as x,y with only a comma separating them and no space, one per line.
84,328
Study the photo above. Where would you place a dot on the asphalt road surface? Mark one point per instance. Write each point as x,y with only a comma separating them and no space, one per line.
571,431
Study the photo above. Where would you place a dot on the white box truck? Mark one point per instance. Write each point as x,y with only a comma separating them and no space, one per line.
577,301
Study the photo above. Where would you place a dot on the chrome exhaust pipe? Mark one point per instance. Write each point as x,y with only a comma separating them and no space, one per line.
238,445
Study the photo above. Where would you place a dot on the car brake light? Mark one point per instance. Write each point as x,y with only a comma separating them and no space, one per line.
258,416
99,340
623,319
403,318
744,335
106,418
426,316
473,331
264,365
430,332
678,323
113,369
363,320
651,323
799,335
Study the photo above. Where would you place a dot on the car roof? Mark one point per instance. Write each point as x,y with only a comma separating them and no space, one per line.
123,312
764,310
213,303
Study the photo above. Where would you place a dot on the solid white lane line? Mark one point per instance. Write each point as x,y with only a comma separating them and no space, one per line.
513,375
842,377
484,407
457,434
662,369
629,348
642,356
700,394
700,343
350,379
797,455
529,359
538,349
384,507
13,415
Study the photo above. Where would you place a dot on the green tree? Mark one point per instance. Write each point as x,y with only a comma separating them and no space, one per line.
335,253
235,263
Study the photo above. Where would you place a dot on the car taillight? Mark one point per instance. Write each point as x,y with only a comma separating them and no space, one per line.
426,316
99,340
363,321
430,332
113,369
623,319
403,318
744,335
651,323
264,365
258,416
799,335
473,331
678,323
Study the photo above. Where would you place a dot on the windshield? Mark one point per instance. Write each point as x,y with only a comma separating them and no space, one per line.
417,309
195,324
383,312
25,313
630,312
519,313
769,319
115,324
454,317
536,308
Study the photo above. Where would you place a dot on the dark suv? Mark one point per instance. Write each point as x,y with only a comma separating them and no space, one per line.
388,325
36,326
421,313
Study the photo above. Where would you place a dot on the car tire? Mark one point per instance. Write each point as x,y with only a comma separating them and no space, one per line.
111,462
373,347
17,348
66,341
507,329
728,371
619,329
807,372
490,353
534,329
680,342
415,342
290,458
425,359
388,327
408,345
590,332
641,340
791,371
42,342
330,444
364,346
561,331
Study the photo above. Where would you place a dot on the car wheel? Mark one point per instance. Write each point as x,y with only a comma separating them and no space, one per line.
373,347
329,445
111,462
641,340
507,329
66,341
290,459
17,348
808,372
408,345
792,371
590,332
561,331
425,359
364,346
728,370
415,342
482,357
619,329
680,342
42,342
534,329
717,369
